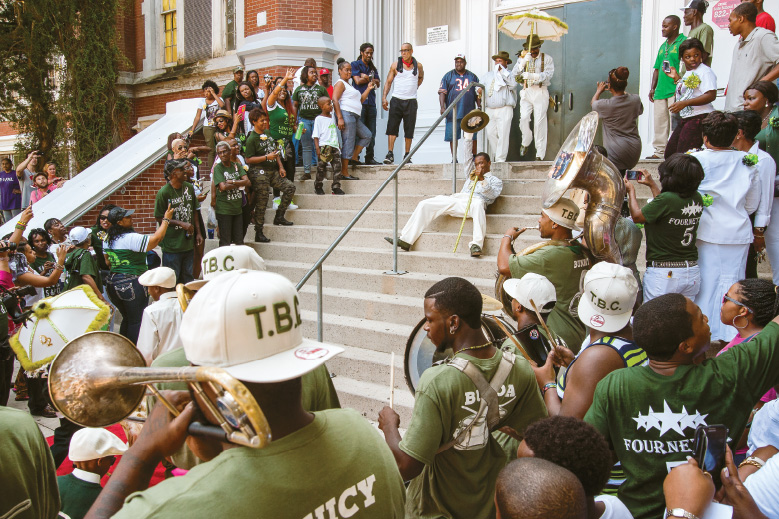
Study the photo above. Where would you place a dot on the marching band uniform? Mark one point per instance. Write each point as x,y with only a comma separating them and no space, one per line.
535,75
501,98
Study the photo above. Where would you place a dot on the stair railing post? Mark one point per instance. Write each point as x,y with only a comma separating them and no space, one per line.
319,304
454,151
395,271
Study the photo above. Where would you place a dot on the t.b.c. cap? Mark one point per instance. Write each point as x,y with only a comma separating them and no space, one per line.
608,297
227,259
248,323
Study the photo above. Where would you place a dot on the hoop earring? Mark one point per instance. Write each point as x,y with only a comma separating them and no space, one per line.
737,326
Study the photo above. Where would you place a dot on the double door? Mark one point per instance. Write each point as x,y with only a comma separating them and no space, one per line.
602,35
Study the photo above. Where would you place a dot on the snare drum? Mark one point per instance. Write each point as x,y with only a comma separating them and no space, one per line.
421,353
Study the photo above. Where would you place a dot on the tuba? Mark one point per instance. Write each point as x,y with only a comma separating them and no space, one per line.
99,378
577,165
184,296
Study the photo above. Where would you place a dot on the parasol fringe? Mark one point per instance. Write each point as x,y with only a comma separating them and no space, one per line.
546,18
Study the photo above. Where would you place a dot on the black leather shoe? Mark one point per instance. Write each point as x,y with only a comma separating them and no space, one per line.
261,238
353,162
372,162
280,220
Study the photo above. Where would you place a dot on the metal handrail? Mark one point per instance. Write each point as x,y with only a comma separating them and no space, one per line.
317,266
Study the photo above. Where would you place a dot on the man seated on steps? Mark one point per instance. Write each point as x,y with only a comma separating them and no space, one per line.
448,452
561,260
488,189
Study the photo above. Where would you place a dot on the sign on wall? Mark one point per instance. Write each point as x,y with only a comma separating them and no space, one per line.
721,12
438,34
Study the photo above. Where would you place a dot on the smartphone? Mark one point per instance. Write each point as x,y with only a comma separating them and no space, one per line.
633,174
708,447
667,66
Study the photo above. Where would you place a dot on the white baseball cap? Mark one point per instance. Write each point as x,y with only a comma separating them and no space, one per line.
78,235
564,212
163,277
608,297
248,323
227,259
535,287
91,443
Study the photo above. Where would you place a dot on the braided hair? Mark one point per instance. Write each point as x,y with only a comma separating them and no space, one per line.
760,296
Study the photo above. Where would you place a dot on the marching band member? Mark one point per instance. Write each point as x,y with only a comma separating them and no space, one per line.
535,72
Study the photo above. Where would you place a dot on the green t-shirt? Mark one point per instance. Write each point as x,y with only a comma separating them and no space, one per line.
460,481
228,202
671,227
78,263
650,419
37,266
769,138
229,89
127,253
563,266
29,475
77,495
705,34
184,201
665,85
337,466
258,144
308,97
279,123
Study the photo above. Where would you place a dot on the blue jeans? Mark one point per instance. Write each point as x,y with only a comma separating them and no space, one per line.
368,118
307,142
356,134
181,263
129,297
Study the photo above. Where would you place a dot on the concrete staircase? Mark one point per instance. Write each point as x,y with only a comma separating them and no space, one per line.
372,314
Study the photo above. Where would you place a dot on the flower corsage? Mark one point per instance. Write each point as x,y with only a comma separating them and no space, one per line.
692,81
749,160
707,200
773,122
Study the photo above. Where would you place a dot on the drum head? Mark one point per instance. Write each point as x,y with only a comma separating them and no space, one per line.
570,159
421,353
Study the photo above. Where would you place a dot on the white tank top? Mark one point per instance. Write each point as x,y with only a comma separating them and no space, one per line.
406,84
350,99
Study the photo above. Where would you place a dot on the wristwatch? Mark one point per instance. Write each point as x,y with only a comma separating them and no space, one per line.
760,229
680,512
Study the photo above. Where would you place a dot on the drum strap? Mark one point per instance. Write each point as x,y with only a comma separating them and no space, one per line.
488,392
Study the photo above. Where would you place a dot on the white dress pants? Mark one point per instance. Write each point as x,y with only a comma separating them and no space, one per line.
534,100
451,205
721,266
498,131
660,281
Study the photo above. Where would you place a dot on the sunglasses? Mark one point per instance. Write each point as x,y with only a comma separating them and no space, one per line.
102,218
739,303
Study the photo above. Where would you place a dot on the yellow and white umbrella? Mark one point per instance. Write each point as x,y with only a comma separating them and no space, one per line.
55,321
543,25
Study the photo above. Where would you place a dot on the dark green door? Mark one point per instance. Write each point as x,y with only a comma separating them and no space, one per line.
602,35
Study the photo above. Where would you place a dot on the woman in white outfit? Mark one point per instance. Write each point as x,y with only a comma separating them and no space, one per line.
347,102
725,232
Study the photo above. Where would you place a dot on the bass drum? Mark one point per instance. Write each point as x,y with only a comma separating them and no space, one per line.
421,354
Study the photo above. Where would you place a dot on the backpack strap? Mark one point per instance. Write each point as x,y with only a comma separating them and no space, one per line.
542,62
488,393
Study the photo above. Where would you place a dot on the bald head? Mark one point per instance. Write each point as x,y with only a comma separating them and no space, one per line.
532,488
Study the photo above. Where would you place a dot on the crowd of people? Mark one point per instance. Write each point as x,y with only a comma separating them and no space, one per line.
605,421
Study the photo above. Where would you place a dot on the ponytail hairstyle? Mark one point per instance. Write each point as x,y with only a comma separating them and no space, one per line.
760,296
618,78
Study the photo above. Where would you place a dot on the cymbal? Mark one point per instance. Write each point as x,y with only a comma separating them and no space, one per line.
490,304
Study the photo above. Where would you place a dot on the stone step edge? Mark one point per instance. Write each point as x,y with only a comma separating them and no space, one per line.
372,391
401,330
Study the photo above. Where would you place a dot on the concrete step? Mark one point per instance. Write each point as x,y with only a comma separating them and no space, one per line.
374,280
364,305
363,333
432,187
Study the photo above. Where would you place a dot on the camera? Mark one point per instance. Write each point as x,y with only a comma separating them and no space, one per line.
10,247
633,174
11,299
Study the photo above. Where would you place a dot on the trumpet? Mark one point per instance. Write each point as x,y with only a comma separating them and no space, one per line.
99,378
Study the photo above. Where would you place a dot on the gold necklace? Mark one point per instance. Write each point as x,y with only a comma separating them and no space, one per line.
474,347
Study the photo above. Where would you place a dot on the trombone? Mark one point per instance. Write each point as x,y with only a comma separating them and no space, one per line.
99,378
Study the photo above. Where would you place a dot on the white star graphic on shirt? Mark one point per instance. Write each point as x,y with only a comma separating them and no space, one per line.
668,420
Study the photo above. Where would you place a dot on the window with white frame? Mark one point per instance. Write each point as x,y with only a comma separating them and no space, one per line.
231,24
169,31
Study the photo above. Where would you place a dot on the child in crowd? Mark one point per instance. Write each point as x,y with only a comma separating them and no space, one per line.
93,452
327,147
43,262
80,265
43,187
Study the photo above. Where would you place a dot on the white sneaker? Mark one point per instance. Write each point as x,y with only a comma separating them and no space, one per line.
276,202
292,206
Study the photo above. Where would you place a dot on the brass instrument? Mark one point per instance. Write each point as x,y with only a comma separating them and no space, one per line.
184,295
99,378
577,165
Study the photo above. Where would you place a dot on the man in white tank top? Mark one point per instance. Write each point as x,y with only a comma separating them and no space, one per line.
407,74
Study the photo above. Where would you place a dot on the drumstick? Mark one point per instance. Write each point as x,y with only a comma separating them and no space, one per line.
552,338
392,380
514,340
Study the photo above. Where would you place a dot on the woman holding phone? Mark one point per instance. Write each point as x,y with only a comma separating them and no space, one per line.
671,223
619,114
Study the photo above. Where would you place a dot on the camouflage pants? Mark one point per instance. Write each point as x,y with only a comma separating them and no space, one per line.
262,183
321,169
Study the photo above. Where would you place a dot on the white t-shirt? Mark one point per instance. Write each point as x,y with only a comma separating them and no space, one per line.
326,131
708,81
209,110
615,509
765,427
763,485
